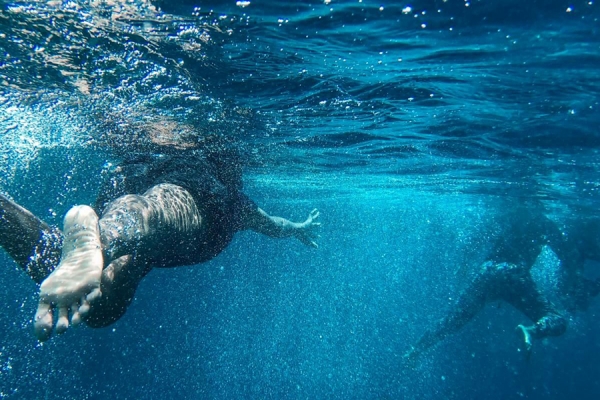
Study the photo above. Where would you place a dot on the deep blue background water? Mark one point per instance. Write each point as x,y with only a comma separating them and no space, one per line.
406,129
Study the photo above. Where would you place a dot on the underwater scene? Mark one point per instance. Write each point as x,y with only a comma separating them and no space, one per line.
364,199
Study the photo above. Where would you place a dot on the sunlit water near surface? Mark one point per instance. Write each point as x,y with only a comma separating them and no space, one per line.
404,123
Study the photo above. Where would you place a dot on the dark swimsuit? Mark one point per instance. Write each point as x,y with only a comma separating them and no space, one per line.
223,206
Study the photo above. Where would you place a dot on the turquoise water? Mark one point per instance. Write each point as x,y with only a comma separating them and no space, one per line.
406,124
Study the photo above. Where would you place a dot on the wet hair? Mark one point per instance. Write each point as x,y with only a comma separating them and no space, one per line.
151,137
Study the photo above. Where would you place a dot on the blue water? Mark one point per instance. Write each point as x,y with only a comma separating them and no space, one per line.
404,123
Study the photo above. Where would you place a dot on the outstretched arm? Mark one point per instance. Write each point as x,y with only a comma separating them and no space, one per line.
277,227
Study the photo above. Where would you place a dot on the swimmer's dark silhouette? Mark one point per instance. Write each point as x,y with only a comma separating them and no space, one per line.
506,276
179,207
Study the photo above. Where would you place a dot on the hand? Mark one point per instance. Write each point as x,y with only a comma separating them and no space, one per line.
307,230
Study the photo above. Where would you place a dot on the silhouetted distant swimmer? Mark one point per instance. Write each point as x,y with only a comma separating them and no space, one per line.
178,208
506,276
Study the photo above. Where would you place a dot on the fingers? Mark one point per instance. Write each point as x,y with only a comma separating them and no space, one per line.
308,241
307,235
314,214
42,323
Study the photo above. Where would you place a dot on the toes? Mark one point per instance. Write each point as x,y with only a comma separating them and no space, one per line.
93,295
76,318
43,322
76,315
62,324
84,308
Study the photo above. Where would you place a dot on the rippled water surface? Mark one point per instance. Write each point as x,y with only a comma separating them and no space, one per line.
475,94
373,111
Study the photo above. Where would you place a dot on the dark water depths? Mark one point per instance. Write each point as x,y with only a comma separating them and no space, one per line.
403,122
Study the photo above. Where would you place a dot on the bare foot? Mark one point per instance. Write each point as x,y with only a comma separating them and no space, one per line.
76,280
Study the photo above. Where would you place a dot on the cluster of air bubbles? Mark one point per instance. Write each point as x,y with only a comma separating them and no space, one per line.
27,130
547,273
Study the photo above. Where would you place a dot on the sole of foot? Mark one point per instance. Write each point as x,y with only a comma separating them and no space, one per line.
76,281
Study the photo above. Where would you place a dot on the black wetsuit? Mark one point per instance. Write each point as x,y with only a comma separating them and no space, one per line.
34,245
507,275
215,185
217,194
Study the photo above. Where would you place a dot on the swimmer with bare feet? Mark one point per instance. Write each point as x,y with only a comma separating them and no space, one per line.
180,211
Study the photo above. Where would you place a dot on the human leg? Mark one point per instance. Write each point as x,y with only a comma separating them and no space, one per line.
133,232
119,283
164,217
524,295
471,300
76,280
157,228
34,245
